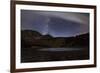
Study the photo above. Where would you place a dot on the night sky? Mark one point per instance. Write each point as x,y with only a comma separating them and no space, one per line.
56,24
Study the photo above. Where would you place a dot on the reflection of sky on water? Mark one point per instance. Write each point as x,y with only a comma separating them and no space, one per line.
59,49
57,24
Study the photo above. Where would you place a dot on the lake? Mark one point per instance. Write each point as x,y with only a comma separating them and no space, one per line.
53,54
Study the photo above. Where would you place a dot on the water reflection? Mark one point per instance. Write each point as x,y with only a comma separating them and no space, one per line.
53,54
60,49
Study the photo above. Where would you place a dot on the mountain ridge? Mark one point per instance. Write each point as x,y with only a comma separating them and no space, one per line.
32,38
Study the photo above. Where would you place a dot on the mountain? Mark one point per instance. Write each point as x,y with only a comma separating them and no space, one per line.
33,39
78,41
30,33
46,36
28,37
